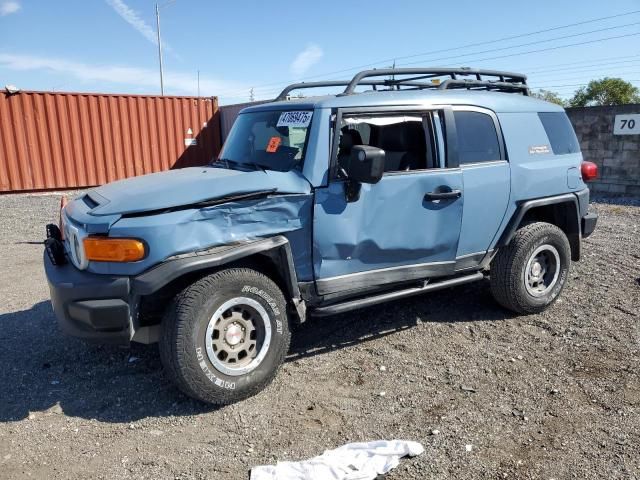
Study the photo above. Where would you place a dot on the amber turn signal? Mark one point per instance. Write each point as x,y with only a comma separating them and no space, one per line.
104,249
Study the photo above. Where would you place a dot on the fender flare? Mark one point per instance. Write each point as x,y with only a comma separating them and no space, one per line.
278,248
524,207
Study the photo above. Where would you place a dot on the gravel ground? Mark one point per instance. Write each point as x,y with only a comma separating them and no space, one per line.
554,395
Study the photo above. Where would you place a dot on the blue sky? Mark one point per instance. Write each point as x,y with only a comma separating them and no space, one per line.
109,45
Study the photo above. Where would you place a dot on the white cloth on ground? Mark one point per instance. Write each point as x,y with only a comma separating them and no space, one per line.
353,461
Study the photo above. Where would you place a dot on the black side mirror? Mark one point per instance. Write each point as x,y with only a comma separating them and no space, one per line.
366,164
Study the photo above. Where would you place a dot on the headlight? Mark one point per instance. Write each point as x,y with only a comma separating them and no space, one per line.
105,249
76,247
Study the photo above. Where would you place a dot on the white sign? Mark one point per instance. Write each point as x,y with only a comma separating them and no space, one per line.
190,142
294,119
627,124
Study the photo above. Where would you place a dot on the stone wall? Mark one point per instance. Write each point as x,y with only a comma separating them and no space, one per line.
617,156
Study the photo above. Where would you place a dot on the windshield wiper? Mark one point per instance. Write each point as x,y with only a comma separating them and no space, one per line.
258,166
223,161
227,163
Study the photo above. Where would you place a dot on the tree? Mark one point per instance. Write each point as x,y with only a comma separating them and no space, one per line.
548,96
608,91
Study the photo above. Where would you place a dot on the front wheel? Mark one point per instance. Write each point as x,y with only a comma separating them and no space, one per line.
528,275
225,336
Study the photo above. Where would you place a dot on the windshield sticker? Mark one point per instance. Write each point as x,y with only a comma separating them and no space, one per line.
294,119
274,143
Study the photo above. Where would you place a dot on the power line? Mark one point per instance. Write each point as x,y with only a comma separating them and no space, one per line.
359,67
574,84
537,42
513,37
556,47
599,73
472,45
264,93
599,64
586,61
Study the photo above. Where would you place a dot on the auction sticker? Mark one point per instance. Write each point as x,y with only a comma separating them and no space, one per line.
274,143
295,119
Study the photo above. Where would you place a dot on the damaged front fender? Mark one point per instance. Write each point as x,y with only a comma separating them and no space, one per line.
184,231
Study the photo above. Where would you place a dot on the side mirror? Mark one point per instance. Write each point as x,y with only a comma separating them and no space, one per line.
366,164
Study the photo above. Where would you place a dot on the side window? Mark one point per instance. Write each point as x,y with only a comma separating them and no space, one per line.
404,138
477,137
560,132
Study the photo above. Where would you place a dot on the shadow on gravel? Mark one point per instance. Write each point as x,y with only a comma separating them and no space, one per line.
625,200
472,302
44,372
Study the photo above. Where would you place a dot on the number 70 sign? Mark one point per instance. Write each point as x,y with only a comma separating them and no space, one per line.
627,124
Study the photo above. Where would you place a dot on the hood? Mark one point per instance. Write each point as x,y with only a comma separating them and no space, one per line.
175,188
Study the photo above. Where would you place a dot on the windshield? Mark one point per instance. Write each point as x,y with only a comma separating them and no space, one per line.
273,140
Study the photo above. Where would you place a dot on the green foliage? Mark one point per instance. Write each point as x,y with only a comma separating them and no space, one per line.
608,91
548,96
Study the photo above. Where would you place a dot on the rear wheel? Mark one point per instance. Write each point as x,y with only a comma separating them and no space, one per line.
225,336
528,275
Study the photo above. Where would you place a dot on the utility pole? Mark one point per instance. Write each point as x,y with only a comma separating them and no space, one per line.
251,95
159,50
198,83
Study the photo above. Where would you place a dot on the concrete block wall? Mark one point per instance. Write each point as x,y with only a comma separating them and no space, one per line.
617,156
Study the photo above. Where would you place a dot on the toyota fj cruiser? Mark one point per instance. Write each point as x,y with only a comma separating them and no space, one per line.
427,179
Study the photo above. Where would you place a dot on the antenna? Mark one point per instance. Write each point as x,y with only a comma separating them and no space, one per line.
393,76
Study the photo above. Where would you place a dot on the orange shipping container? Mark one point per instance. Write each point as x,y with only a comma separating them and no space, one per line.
73,140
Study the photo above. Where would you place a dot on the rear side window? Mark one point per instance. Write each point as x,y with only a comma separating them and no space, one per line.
560,132
477,137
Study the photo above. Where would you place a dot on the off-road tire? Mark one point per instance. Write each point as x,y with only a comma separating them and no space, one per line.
182,342
508,268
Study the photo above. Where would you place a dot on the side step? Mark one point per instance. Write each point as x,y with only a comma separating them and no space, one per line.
395,295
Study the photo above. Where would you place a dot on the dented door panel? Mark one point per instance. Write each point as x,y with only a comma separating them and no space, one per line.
390,225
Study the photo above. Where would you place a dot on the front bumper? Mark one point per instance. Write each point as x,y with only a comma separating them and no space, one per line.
589,224
89,306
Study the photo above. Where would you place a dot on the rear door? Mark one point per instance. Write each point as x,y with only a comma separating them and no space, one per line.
405,227
487,181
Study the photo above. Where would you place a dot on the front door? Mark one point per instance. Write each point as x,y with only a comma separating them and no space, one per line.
406,226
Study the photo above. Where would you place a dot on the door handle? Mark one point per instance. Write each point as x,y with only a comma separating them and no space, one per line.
432,196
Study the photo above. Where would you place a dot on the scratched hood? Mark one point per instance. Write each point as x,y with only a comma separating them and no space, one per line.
183,187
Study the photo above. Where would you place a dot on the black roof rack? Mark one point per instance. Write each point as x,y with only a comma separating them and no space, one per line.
458,78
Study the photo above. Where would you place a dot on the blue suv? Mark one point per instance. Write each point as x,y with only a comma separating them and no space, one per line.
406,182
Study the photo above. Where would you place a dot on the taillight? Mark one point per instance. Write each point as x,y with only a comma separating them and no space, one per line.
589,171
